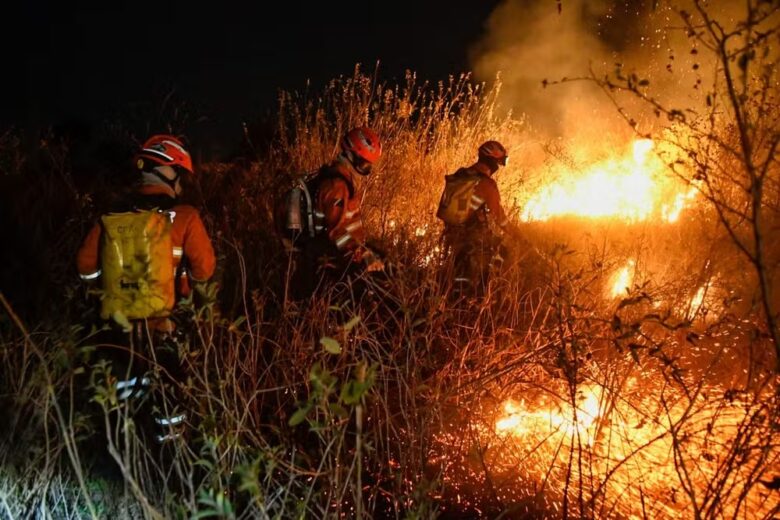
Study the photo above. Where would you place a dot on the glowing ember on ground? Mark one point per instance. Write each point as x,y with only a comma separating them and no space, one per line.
620,448
634,187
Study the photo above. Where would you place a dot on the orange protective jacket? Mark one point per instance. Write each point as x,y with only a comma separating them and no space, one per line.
337,210
188,234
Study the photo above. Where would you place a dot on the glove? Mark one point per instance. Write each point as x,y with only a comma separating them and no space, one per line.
376,265
372,261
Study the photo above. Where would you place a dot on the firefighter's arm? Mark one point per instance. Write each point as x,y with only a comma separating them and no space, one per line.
493,203
198,250
345,225
345,229
87,261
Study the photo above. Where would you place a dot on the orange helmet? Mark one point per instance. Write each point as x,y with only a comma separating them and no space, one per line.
362,147
164,150
493,151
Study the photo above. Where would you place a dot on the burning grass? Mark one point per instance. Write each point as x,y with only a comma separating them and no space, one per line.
617,367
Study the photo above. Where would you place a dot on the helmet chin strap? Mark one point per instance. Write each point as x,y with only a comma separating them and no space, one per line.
351,159
346,157
491,164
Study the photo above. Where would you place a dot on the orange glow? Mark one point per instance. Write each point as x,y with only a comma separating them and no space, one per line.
519,421
624,437
633,187
621,281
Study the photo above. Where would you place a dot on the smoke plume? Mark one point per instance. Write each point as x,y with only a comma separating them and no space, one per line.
529,41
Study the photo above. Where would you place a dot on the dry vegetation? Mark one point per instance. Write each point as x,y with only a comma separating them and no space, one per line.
382,397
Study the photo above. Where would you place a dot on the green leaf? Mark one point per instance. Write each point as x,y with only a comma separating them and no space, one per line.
352,391
236,324
338,410
122,321
299,415
351,323
331,345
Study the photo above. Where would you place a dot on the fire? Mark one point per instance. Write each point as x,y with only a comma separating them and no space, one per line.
520,421
702,302
671,212
621,281
633,188
623,437
698,298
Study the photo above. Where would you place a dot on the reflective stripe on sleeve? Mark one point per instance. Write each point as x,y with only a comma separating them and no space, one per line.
354,226
178,252
343,240
90,276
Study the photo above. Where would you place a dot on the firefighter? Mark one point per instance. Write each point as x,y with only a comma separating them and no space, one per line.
146,253
474,219
337,242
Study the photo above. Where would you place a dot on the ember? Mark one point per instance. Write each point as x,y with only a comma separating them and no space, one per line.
620,448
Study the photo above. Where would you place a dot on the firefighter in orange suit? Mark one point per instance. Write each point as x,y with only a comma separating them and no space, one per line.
161,163
339,241
474,218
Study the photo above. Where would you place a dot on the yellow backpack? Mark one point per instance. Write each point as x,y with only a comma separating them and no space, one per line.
455,201
137,264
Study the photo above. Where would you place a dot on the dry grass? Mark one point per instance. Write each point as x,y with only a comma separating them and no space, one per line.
401,421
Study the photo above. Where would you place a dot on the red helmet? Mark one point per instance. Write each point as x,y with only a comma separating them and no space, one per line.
362,147
164,150
493,150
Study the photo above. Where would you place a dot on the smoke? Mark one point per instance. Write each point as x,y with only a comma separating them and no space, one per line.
529,41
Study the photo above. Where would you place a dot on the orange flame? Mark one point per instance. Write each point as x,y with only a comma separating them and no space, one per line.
632,188
625,439
621,281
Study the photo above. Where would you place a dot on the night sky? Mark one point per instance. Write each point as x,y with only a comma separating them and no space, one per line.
69,62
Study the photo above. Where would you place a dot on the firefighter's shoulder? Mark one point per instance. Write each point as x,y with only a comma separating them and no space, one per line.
184,212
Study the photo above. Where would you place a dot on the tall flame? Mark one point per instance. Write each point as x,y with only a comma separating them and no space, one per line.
631,188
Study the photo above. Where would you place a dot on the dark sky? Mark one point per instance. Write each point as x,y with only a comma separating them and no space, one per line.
69,60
